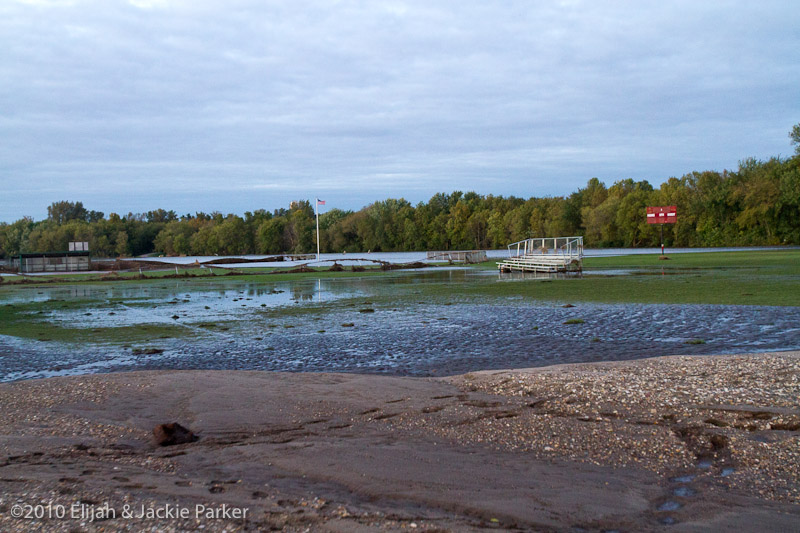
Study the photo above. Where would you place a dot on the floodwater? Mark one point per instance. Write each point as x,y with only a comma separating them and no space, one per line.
334,325
397,258
365,258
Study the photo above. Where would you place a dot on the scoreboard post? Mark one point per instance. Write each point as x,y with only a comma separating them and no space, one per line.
662,215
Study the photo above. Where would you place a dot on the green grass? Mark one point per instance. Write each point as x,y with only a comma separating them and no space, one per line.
733,278
783,261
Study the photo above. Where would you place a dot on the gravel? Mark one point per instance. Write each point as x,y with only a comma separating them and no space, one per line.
737,414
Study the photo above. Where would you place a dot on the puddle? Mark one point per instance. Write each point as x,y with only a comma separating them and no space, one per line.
704,464
683,479
684,492
727,472
211,302
607,272
530,276
669,505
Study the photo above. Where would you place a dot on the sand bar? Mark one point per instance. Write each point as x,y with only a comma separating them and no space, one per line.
706,443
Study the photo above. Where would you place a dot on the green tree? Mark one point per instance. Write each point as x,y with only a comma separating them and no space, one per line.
121,244
101,247
299,233
3,239
269,236
61,212
233,236
176,237
631,218
457,231
497,232
204,241
17,235
794,135
160,215
477,231
758,203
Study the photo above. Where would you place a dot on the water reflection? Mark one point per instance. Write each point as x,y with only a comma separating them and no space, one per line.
529,276
79,292
139,304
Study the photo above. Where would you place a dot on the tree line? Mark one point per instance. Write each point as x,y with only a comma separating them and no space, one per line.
757,204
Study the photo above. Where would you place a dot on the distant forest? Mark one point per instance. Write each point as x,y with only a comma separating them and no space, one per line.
757,204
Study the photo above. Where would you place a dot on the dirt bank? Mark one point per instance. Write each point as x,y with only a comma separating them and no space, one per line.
677,443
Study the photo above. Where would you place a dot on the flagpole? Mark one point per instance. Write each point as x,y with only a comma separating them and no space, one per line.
316,213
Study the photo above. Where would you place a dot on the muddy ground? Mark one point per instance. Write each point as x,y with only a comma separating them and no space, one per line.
673,444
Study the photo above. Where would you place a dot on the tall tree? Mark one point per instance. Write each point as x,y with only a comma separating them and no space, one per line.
61,212
794,135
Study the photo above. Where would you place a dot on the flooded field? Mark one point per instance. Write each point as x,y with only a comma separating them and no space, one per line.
389,323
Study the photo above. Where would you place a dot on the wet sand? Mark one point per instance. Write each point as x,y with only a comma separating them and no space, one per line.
707,443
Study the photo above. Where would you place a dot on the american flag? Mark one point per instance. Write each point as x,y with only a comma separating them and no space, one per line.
320,202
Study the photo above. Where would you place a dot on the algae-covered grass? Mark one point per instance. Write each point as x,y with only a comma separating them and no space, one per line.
25,321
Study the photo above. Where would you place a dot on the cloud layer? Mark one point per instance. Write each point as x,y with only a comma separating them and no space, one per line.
238,105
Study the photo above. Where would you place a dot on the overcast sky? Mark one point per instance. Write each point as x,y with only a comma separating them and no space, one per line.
236,105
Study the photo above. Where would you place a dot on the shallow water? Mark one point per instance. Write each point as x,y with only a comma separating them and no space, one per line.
410,257
304,326
669,506
684,492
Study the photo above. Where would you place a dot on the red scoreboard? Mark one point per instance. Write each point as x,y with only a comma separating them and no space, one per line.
662,215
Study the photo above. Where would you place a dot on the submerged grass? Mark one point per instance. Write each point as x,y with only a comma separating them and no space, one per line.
28,326
30,320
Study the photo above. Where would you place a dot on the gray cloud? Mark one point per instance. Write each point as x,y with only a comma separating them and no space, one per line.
245,104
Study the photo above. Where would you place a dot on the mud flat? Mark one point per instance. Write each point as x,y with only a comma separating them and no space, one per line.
678,443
